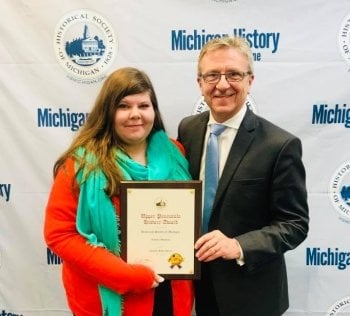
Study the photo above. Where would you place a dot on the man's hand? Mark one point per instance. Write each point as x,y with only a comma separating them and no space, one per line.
214,245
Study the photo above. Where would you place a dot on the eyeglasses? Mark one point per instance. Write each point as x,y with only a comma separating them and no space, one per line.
231,76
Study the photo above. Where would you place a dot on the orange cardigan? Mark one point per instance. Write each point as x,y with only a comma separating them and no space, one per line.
85,266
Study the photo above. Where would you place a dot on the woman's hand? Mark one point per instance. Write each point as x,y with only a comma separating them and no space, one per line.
158,279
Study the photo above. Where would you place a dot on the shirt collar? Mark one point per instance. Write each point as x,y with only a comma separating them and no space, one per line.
233,122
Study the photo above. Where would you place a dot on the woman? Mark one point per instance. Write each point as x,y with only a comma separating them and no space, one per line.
121,140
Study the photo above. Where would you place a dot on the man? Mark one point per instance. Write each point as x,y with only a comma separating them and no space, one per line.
260,207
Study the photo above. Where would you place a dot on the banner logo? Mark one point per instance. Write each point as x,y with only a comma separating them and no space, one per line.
344,39
85,45
339,307
5,192
260,41
324,114
52,258
339,191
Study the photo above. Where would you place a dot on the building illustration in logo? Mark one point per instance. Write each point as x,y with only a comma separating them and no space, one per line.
87,50
345,194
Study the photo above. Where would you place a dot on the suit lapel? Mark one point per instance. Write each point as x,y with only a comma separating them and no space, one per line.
198,130
240,146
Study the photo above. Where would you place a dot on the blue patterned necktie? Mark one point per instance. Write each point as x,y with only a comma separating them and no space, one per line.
211,172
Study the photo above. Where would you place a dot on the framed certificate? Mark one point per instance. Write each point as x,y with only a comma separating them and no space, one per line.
160,222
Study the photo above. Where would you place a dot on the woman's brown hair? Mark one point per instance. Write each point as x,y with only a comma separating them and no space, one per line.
97,136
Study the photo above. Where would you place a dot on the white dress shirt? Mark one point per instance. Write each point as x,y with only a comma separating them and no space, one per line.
225,141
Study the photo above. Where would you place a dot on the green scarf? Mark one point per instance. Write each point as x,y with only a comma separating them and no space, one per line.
96,215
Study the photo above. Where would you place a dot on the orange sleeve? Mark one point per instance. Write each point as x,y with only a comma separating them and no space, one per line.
183,297
179,145
97,263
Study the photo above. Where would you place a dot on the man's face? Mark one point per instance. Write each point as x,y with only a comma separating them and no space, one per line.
225,98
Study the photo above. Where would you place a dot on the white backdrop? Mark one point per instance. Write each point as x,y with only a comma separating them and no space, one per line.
302,84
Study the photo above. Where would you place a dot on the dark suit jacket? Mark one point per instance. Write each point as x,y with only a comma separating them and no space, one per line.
261,200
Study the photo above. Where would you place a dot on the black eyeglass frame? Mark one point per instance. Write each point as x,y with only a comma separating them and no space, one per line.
230,76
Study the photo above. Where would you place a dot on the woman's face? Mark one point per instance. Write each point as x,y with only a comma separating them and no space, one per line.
134,119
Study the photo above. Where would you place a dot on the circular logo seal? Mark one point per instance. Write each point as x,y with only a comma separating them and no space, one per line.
339,306
344,39
85,45
201,106
339,191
